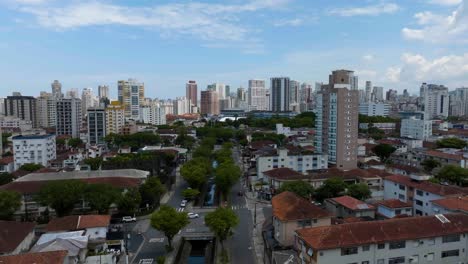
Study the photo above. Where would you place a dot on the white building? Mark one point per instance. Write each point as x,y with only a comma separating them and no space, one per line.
153,114
181,105
296,161
46,110
458,102
377,94
37,149
68,117
374,109
87,100
440,239
416,128
435,100
257,95
10,123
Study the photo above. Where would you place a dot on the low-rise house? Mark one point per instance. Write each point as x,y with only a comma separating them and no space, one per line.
347,206
7,164
444,156
38,149
74,243
50,257
275,178
396,143
456,204
420,193
95,226
291,212
394,208
440,239
15,237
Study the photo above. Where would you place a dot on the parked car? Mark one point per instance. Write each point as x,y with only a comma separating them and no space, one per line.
193,215
128,219
183,203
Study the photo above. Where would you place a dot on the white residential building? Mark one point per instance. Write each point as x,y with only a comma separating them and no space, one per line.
416,128
153,114
435,100
37,149
181,105
46,110
374,109
377,94
68,117
257,95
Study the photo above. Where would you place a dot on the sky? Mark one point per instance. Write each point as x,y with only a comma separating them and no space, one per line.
396,44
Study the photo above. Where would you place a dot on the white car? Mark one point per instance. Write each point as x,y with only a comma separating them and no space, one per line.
193,215
183,203
128,219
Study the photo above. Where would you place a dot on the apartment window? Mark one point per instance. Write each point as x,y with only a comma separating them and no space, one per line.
381,261
396,260
402,187
450,253
420,203
349,251
397,244
450,238
365,262
381,246
365,248
419,192
401,197
398,211
418,212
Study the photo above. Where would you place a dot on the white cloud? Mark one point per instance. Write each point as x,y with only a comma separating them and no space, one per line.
370,10
446,2
393,74
289,22
368,57
438,29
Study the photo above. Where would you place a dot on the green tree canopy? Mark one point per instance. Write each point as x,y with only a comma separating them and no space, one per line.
300,188
61,195
75,142
332,187
31,167
221,222
452,142
226,175
430,164
100,197
9,203
169,221
151,191
129,201
5,178
359,191
383,151
190,193
94,163
453,174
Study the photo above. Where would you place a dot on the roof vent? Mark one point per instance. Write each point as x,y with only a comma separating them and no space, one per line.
442,218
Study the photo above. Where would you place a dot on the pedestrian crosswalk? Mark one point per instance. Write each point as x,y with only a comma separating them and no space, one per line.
238,207
181,209
145,261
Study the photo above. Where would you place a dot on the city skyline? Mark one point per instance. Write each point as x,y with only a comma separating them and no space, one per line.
229,42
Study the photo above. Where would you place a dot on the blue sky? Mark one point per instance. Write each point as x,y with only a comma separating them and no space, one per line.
395,44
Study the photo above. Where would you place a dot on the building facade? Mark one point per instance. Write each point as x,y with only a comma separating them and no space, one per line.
68,117
191,93
153,114
257,95
435,100
209,103
37,149
280,94
374,109
131,94
23,107
416,128
96,126
115,118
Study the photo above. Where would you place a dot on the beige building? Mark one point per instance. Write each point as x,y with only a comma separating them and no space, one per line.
291,212
209,103
115,118
131,95
337,120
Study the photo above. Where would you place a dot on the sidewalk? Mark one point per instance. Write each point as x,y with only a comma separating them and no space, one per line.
260,219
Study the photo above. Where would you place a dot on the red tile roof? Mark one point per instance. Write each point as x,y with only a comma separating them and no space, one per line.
352,203
372,232
12,234
351,174
406,168
453,203
394,203
443,155
284,174
7,160
288,206
50,257
434,188
78,222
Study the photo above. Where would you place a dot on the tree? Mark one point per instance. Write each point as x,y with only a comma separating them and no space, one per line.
226,175
5,178
100,197
94,163
31,167
359,191
383,151
75,142
452,142
195,175
61,195
300,188
332,187
129,201
9,203
430,164
169,221
190,193
221,222
151,191
453,174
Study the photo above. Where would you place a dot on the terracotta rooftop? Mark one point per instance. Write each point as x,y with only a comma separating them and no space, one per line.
406,168
7,160
12,233
443,155
288,206
78,222
372,232
260,144
352,203
50,257
434,188
351,174
284,174
394,203
453,203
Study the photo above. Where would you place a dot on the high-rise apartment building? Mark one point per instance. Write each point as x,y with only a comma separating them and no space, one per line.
46,110
56,89
68,117
458,102
354,82
153,114
209,104
181,105
72,93
103,91
435,101
96,125
294,95
337,120
219,88
115,117
280,94
131,94
257,95
191,93
87,100
377,94
23,107
306,97
368,91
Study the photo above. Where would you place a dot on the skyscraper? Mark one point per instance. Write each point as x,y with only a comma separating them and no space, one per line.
46,110
435,101
377,94
280,94
181,105
68,117
115,117
257,95
307,100
458,102
87,100
219,88
96,125
337,120
23,107
103,91
57,89
131,94
209,104
368,91
191,93
294,95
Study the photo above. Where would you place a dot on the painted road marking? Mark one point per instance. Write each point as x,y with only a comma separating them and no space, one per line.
146,261
156,240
